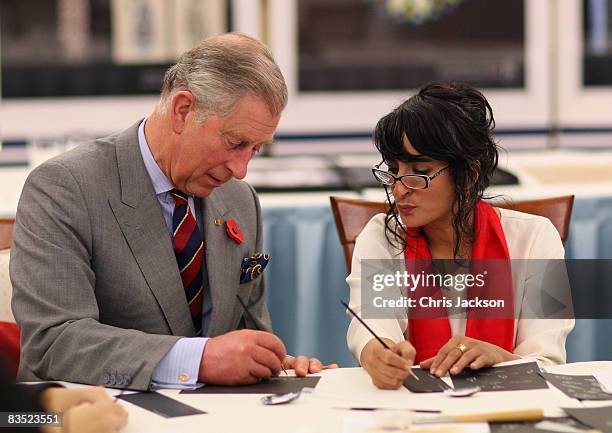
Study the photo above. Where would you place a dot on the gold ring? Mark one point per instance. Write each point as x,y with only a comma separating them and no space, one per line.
462,347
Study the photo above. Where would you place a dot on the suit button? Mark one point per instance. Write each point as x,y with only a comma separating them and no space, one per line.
105,378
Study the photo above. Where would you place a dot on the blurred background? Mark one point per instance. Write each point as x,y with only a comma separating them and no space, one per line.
76,69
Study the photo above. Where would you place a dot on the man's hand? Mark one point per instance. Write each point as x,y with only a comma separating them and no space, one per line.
303,365
388,368
476,354
241,357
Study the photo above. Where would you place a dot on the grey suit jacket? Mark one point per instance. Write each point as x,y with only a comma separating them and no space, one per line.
97,290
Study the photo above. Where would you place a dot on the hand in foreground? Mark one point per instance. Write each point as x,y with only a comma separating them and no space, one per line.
88,410
388,368
241,357
304,365
461,352
100,417
61,399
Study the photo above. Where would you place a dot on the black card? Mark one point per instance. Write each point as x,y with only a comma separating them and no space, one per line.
274,385
507,378
160,404
530,426
578,387
427,382
599,418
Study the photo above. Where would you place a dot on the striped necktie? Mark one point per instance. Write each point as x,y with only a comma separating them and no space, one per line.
189,251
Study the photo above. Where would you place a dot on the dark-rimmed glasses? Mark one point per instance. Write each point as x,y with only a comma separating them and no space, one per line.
410,181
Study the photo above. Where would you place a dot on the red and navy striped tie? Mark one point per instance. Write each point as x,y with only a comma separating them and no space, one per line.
189,251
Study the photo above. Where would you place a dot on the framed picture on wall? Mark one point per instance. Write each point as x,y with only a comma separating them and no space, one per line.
347,63
195,20
141,31
585,73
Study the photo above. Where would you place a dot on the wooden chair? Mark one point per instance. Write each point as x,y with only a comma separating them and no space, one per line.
351,216
6,232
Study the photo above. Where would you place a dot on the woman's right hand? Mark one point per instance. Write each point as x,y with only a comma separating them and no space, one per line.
388,368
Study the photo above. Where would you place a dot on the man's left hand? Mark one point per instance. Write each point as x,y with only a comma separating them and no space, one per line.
303,365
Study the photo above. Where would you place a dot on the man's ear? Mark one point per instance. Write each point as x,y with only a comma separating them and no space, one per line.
183,103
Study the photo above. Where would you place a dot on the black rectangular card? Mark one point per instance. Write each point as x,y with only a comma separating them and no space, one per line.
274,385
579,387
514,377
599,418
427,382
160,404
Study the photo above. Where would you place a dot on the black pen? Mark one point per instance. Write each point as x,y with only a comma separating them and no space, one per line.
372,409
380,340
252,319
126,386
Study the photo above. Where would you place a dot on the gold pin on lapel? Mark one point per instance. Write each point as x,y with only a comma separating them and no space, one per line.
217,222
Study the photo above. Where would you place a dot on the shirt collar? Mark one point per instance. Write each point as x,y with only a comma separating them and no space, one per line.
161,184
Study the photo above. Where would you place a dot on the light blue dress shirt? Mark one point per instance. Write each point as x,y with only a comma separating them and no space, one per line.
180,367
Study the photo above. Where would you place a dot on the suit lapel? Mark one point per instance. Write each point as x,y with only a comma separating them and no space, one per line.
140,218
223,257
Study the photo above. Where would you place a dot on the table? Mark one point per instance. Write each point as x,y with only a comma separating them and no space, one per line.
341,388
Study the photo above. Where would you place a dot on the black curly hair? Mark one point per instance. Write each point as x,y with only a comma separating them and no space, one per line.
448,122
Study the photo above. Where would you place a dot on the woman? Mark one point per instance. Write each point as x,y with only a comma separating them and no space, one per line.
438,158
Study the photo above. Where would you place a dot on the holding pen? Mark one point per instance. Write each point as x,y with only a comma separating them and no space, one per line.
380,340
252,319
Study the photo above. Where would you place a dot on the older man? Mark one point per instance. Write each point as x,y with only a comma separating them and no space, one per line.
130,249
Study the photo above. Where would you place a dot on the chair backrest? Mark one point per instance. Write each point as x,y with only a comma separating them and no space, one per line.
351,216
557,209
6,232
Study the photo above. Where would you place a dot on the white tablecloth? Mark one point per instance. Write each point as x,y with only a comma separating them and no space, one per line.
344,387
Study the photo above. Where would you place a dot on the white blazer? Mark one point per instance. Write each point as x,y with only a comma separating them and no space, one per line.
527,236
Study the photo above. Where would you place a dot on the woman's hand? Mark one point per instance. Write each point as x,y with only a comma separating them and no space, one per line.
460,352
388,368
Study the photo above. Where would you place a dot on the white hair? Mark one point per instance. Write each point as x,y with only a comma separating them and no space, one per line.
222,69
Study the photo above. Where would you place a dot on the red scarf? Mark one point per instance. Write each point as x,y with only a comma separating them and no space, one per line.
429,334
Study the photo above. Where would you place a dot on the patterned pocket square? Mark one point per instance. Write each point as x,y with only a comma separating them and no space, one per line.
253,266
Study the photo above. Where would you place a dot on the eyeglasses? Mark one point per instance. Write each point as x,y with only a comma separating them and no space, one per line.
410,181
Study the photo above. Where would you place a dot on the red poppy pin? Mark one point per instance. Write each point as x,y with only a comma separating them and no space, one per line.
233,231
